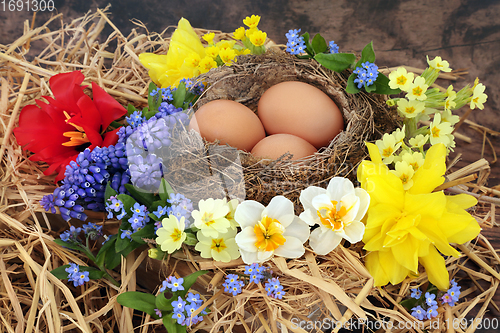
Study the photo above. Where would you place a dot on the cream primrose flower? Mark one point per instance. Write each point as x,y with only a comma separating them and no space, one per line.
269,231
478,97
221,248
171,235
414,159
211,217
419,141
401,79
448,117
418,89
337,210
388,147
232,204
405,172
399,134
410,109
439,63
440,131
449,102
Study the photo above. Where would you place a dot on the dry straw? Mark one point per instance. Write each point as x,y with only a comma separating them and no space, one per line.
336,286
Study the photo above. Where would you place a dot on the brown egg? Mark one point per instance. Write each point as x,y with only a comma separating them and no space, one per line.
300,109
276,145
229,122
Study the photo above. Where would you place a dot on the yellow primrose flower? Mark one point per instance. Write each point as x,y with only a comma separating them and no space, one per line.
410,109
209,37
405,172
478,97
239,33
212,51
227,56
405,228
388,147
440,131
225,44
419,141
211,217
250,32
171,235
243,51
258,38
221,248
252,21
439,64
207,64
269,231
401,79
417,89
337,210
193,60
168,70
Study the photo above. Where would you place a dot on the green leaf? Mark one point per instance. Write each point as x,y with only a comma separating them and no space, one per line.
153,101
127,200
337,62
367,54
172,326
309,48
371,88
145,198
319,44
162,303
165,190
147,232
111,258
149,114
409,303
110,192
130,109
154,206
60,272
73,246
138,301
189,281
108,246
179,95
352,88
382,86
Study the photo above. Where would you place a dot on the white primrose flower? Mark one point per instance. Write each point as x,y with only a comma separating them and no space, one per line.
222,248
211,217
171,235
271,230
337,210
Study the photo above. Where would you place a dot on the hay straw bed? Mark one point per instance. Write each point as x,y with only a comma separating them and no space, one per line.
335,286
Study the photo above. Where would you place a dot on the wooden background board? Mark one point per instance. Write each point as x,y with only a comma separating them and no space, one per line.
464,32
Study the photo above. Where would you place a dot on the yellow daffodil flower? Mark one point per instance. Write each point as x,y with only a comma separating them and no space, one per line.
410,109
417,90
478,97
338,210
388,147
168,70
252,21
405,228
401,79
171,235
439,63
221,248
269,231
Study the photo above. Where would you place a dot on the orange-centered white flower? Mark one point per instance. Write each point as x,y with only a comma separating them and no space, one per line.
271,230
337,210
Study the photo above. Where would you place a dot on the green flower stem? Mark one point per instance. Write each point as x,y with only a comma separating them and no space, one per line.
88,253
108,276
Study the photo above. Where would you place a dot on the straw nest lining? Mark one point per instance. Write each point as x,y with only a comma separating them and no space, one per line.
367,118
316,286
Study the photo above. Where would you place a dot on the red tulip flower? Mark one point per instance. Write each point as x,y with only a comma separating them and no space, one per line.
57,131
